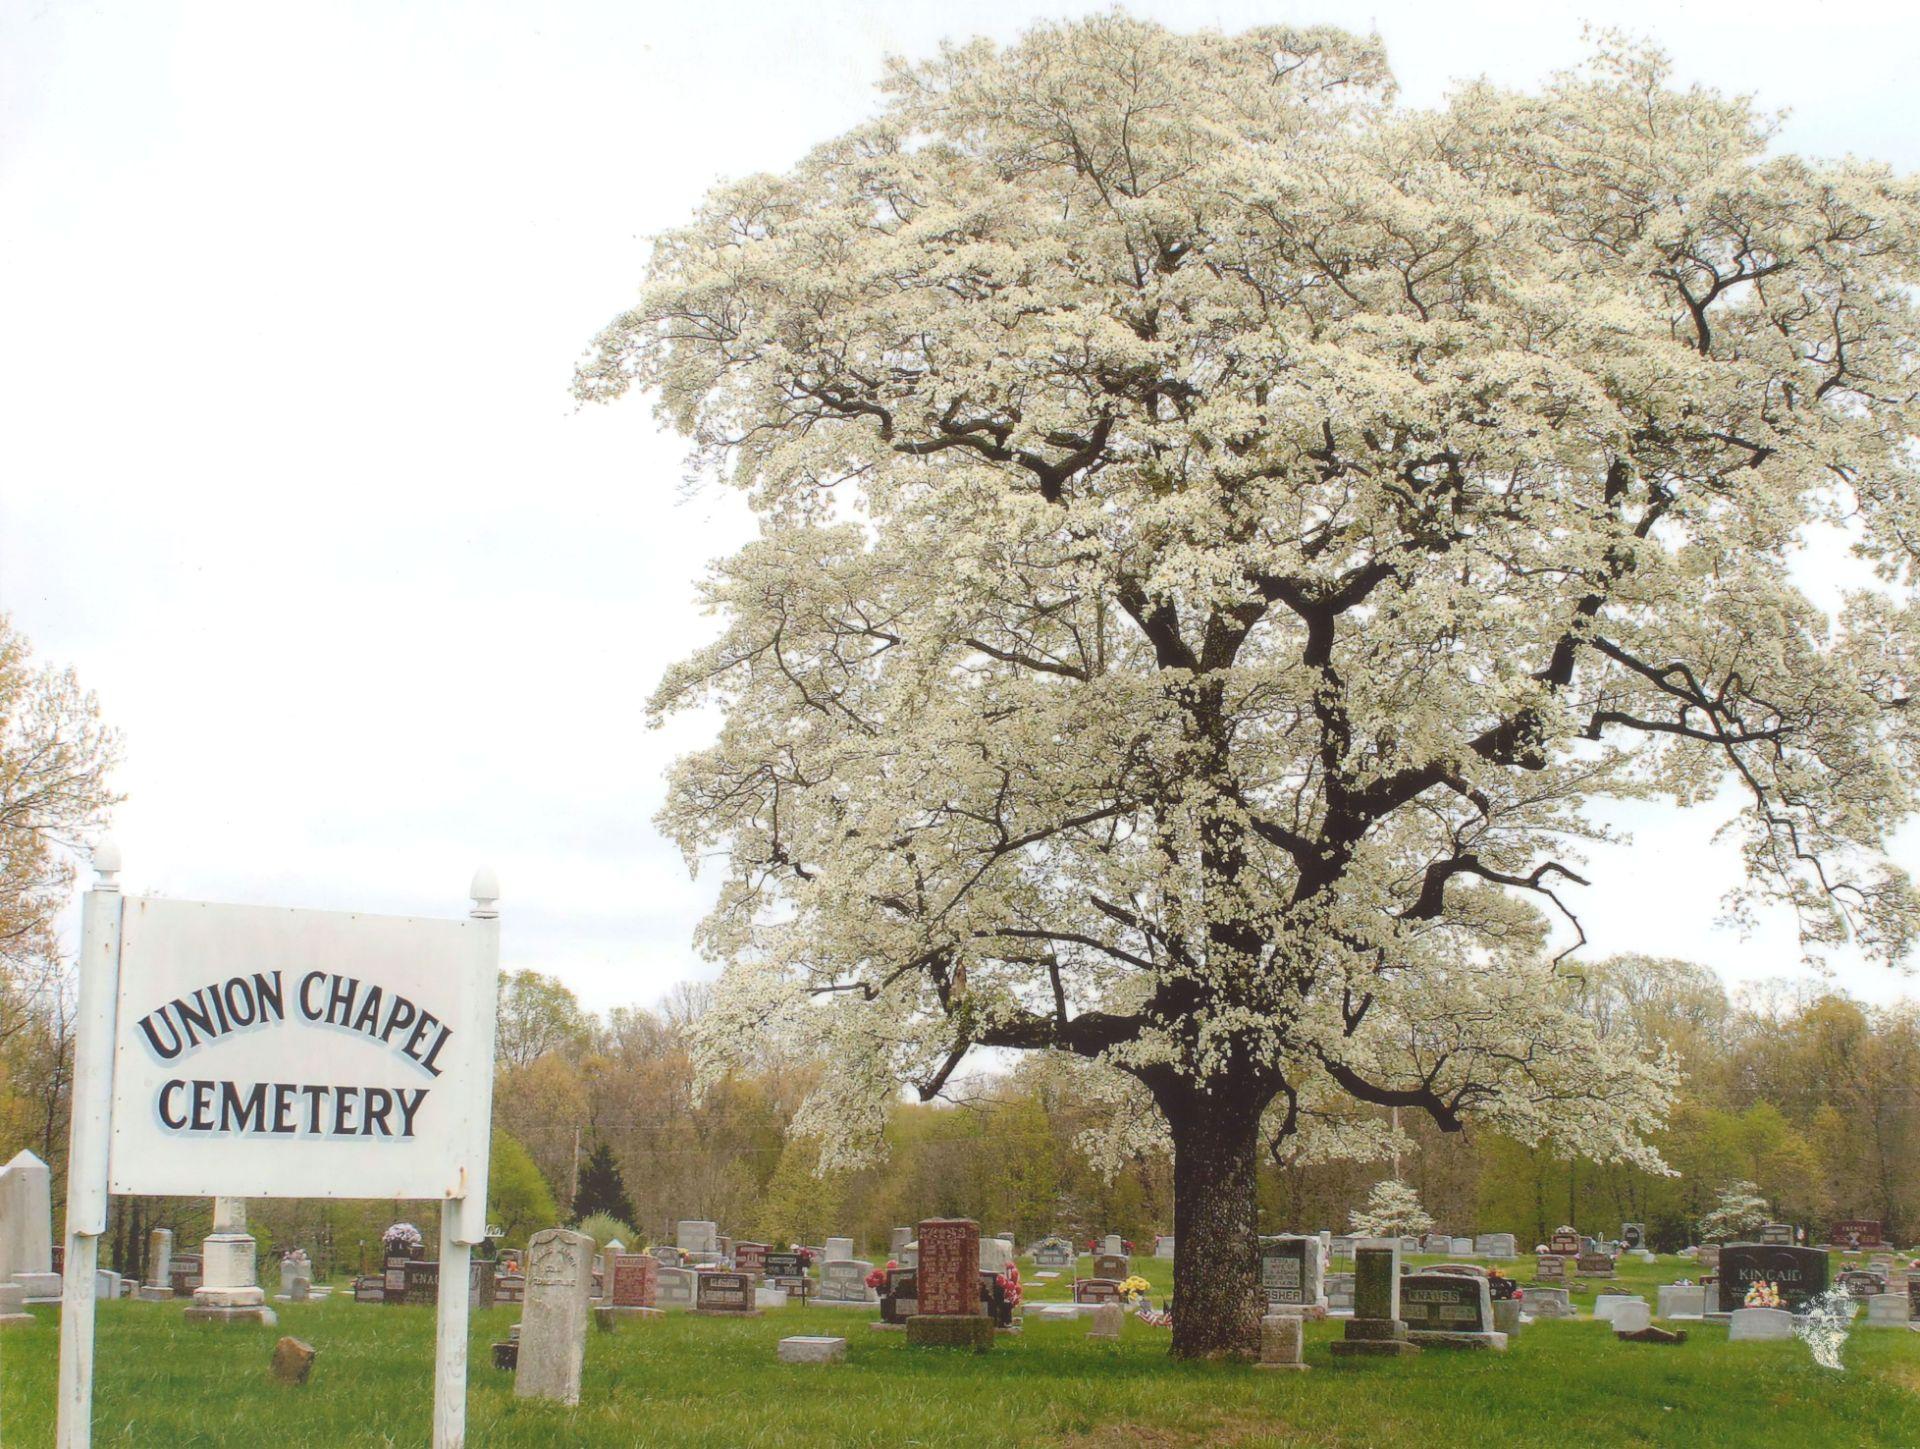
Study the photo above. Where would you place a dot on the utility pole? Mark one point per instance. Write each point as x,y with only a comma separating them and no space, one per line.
575,1197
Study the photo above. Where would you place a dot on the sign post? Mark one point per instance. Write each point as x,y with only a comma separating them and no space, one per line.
247,1051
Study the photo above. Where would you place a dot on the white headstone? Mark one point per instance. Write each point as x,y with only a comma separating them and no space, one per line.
160,1258
26,1217
1631,1317
1888,1309
839,1247
1753,1324
1607,1304
553,1320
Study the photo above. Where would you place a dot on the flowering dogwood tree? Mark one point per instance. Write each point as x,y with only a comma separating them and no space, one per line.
1393,1211
1219,530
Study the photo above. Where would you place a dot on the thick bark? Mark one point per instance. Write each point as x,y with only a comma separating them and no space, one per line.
1217,1298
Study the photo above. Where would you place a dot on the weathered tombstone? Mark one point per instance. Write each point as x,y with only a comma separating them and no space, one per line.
1343,1245
807,1348
1495,1245
510,1288
898,1239
553,1324
751,1257
841,1248
1283,1340
636,1278
1605,1305
727,1293
1163,1247
1111,1265
1594,1265
1107,1320
292,1359
1114,1244
370,1289
1633,1235
1292,1275
1376,1326
422,1279
844,1280
13,1306
950,1310
1681,1300
26,1218
1799,1273
1889,1310
1550,1268
1758,1324
159,1284
1777,1235
1436,1243
1564,1242
1340,1293
676,1287
1451,1310
1054,1253
1549,1303
1708,1257
229,1291
697,1236
1631,1317
668,1256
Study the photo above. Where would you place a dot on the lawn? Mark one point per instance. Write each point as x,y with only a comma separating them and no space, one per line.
701,1381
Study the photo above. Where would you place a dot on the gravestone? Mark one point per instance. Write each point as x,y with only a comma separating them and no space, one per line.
1594,1265
1450,1310
675,1287
1550,1268
728,1293
1107,1320
812,1348
483,1285
1913,1296
1549,1303
1495,1245
898,1239
1096,1290
1606,1305
26,1218
950,1311
1115,1245
1799,1273
1340,1293
1631,1317
1888,1310
844,1280
1054,1253
1632,1236
636,1279
229,1291
159,1285
1163,1248
751,1257
899,1299
997,1255
510,1288
1777,1235
1682,1300
1376,1327
1291,1274
370,1289
668,1256
1111,1265
1708,1257
697,1237
1564,1243
1441,1243
1283,1340
553,1323
1342,1246
1862,1283
1758,1324
1853,1234
782,1266
841,1248
422,1283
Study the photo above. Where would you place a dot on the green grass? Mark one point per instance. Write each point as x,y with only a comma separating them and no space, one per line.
700,1381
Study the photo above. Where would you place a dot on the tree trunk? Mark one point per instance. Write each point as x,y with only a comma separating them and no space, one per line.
1217,1300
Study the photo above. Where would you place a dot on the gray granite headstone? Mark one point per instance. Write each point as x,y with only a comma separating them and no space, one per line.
553,1321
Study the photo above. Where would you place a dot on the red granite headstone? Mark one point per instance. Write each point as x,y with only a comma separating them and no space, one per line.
949,1270
635,1276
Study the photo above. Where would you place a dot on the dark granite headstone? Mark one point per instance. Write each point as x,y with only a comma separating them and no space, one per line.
725,1293
1862,1283
1799,1273
1565,1243
1777,1235
1444,1303
899,1300
1594,1265
421,1282
1096,1290
783,1265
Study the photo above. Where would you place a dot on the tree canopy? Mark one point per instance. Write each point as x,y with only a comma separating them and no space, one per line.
1222,530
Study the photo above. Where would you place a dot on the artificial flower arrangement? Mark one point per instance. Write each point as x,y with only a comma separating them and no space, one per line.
1134,1291
1009,1280
401,1240
1763,1295
1501,1288
877,1279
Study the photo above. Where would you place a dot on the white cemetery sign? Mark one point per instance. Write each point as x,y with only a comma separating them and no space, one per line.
249,1051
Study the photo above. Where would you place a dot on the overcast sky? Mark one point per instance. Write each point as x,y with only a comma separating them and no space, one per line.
289,300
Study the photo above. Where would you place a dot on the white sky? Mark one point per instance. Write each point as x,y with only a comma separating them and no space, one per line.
289,300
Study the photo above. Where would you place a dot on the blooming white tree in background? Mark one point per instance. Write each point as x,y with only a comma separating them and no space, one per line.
1393,1211
1220,531
1737,1211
